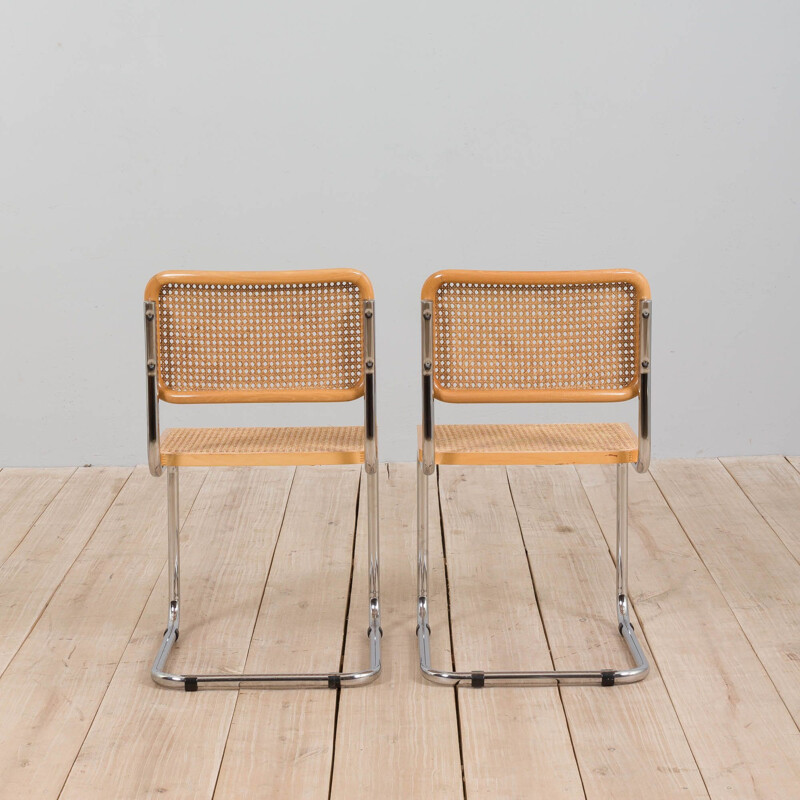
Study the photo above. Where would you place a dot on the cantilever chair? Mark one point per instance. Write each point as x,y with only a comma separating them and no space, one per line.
239,337
547,337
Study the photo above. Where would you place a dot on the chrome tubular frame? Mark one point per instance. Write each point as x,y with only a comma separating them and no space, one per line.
333,680
479,678
645,325
151,356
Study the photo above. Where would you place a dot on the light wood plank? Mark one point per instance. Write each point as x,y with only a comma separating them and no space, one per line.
281,742
24,495
628,740
752,567
147,740
51,690
773,486
399,737
740,732
515,741
34,570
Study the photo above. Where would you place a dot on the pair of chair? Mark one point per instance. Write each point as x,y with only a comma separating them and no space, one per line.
230,337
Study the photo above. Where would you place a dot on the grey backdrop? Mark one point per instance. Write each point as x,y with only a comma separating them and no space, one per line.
398,139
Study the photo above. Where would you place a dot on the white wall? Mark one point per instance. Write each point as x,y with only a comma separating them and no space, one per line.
398,139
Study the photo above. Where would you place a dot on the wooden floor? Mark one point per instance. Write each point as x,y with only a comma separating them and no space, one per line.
274,579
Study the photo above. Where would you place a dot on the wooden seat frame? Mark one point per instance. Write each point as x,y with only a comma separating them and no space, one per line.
638,386
158,389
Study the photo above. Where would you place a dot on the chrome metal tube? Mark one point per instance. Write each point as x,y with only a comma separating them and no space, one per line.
333,680
151,356
371,466
193,683
428,451
622,544
370,402
373,534
174,551
601,677
422,532
645,328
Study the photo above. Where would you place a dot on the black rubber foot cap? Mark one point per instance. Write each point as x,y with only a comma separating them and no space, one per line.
334,682
190,684
478,680
607,677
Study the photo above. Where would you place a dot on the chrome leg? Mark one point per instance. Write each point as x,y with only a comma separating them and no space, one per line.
423,626
479,679
622,544
174,559
374,631
334,680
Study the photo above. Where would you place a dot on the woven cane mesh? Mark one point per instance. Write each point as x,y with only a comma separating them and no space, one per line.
591,437
579,336
240,337
215,441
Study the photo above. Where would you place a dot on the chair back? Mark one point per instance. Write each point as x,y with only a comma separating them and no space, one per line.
535,336
232,337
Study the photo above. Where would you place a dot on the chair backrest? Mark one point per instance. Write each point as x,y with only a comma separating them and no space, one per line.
228,337
535,336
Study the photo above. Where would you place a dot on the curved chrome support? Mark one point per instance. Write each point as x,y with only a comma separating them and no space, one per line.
428,452
645,327
193,683
479,678
370,416
371,466
332,680
151,356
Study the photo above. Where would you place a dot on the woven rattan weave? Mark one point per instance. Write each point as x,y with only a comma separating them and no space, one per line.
226,340
535,444
562,338
262,446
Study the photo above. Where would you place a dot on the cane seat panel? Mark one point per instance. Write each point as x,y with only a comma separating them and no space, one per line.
262,446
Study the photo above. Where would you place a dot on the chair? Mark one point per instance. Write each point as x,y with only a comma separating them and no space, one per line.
495,337
239,337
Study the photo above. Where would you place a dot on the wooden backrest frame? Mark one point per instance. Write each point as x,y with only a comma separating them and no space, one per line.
272,395
641,291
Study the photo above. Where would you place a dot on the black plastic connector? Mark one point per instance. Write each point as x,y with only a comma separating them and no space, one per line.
478,680
190,684
334,682
607,677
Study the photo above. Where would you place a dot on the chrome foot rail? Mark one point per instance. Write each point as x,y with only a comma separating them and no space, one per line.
331,680
479,678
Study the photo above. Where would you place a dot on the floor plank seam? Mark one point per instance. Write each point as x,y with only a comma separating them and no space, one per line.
253,629
66,572
450,633
122,651
643,631
760,513
39,515
546,636
344,633
791,463
733,611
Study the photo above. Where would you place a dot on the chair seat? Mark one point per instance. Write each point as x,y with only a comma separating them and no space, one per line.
216,447
610,443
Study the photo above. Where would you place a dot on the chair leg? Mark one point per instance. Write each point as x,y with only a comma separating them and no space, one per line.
479,679
423,626
333,680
